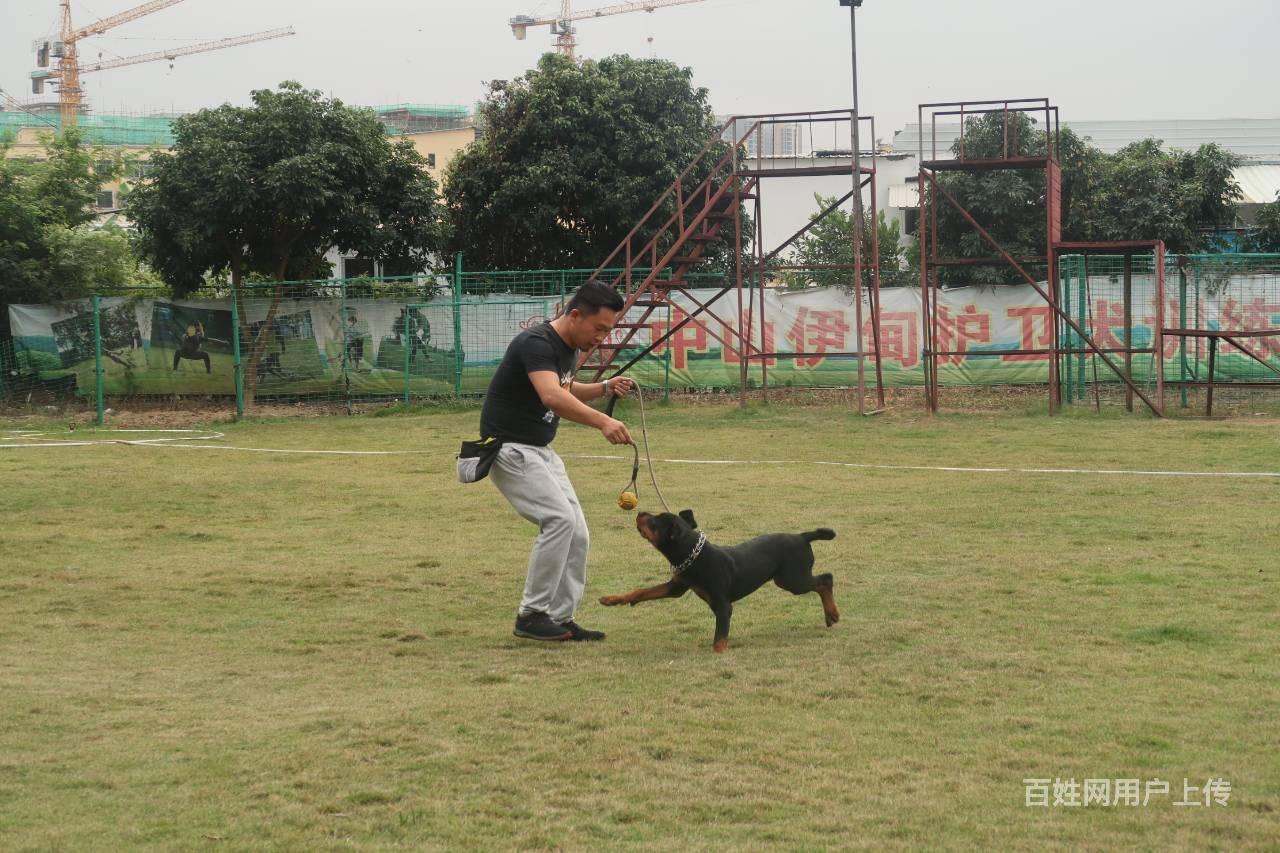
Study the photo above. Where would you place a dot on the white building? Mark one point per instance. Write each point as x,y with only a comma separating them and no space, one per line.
788,202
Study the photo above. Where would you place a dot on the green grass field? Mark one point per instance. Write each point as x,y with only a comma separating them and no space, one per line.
238,650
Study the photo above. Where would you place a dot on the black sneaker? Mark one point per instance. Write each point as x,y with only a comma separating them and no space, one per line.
536,625
577,632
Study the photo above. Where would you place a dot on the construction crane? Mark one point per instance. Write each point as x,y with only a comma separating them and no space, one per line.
203,47
66,51
566,33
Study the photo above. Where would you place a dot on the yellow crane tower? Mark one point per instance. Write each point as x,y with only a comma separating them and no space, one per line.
566,33
65,50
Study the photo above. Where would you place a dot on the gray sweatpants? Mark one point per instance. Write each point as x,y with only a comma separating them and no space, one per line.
534,481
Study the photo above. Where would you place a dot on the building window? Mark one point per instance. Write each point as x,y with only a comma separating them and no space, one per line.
357,267
106,199
911,220
398,268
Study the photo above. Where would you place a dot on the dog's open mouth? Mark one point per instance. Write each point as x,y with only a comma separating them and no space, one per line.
644,523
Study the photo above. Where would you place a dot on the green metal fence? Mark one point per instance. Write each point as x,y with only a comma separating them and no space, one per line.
1113,299
342,343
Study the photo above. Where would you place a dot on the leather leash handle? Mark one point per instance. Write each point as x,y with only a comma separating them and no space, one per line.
635,466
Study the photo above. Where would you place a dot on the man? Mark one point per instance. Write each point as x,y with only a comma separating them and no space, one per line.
191,346
356,332
419,331
279,329
532,389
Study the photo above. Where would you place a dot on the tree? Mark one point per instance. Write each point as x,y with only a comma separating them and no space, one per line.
1146,193
573,156
268,189
49,251
1142,192
1266,237
1010,204
86,261
829,242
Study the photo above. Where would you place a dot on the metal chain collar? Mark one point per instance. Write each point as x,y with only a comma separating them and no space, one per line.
697,549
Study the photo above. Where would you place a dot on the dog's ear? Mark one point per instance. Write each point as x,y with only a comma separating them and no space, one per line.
687,515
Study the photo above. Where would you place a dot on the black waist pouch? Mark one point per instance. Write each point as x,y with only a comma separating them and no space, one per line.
476,458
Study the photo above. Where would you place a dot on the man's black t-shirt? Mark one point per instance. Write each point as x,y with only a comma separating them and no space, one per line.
512,409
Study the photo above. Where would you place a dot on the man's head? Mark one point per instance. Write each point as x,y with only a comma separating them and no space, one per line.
590,314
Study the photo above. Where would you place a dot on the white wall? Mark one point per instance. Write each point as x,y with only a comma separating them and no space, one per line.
787,202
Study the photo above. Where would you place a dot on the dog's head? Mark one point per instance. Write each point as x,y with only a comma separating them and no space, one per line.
665,528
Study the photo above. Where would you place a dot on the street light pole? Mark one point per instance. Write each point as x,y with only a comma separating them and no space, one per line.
858,227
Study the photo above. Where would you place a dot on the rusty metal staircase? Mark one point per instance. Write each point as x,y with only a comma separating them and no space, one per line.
684,223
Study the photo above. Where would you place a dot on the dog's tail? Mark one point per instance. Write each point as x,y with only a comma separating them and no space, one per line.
820,533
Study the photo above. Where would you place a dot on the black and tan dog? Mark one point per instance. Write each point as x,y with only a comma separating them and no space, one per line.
721,576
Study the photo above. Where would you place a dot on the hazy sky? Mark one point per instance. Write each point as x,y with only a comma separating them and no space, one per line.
1097,59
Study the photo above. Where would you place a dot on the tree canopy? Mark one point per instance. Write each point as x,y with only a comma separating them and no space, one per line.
573,155
1142,192
48,249
1266,234
269,189
827,242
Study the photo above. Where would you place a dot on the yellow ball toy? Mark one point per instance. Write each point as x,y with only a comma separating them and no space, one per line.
628,500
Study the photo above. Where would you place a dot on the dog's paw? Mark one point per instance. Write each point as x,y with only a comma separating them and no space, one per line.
833,616
720,646
613,600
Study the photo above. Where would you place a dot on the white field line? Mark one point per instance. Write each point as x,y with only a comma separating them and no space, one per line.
24,439
199,435
953,468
